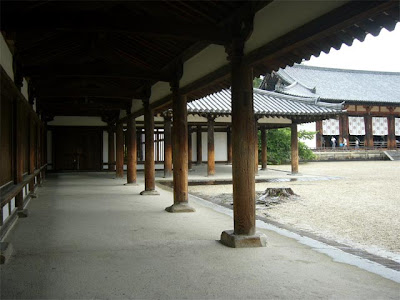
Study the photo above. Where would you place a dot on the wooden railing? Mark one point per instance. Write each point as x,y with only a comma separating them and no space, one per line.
12,190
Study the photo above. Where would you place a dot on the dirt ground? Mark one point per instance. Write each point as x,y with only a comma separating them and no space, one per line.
360,209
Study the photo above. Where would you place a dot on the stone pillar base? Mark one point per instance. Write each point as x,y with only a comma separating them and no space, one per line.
32,195
180,208
230,239
22,213
149,193
131,184
6,250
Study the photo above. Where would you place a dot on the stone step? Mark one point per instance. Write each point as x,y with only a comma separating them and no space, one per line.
393,154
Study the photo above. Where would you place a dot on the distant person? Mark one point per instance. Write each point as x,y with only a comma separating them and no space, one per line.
333,141
357,143
344,143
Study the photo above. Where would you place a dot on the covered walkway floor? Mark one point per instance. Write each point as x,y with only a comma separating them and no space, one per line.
88,236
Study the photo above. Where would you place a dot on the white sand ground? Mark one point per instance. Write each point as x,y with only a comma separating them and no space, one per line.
361,208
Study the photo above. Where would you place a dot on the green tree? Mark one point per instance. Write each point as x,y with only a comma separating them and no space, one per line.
256,82
279,145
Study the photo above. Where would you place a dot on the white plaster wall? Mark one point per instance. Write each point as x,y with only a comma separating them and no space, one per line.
224,119
208,60
49,149
136,105
159,90
271,21
220,144
194,146
204,149
24,89
77,121
6,61
5,212
6,58
272,120
105,149
308,127
12,203
196,118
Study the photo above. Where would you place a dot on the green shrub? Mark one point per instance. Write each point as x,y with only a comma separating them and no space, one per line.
279,145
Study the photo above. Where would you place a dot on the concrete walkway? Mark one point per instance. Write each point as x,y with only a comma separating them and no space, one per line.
88,236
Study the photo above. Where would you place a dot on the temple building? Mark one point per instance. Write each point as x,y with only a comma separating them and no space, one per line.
371,99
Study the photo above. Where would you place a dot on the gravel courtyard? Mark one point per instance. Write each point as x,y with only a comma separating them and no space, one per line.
361,208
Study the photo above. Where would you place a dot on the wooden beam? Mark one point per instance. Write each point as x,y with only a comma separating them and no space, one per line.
95,71
71,92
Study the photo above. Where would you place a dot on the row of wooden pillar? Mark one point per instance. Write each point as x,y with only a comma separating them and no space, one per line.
131,140
243,141
369,138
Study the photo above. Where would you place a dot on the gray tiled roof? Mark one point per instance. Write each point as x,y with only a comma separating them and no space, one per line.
340,84
265,103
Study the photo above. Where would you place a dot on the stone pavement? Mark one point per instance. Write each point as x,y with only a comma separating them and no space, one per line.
88,236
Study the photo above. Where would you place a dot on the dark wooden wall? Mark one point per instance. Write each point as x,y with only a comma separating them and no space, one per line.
77,148
6,174
14,109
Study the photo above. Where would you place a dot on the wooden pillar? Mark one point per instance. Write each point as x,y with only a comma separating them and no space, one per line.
149,166
167,147
229,144
120,151
190,154
295,149
369,140
210,146
180,151
18,159
39,152
391,132
343,128
111,149
139,144
32,150
263,148
319,135
243,131
132,152
199,146
44,155
256,146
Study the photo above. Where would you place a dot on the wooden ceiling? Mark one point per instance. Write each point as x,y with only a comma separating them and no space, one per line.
93,57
